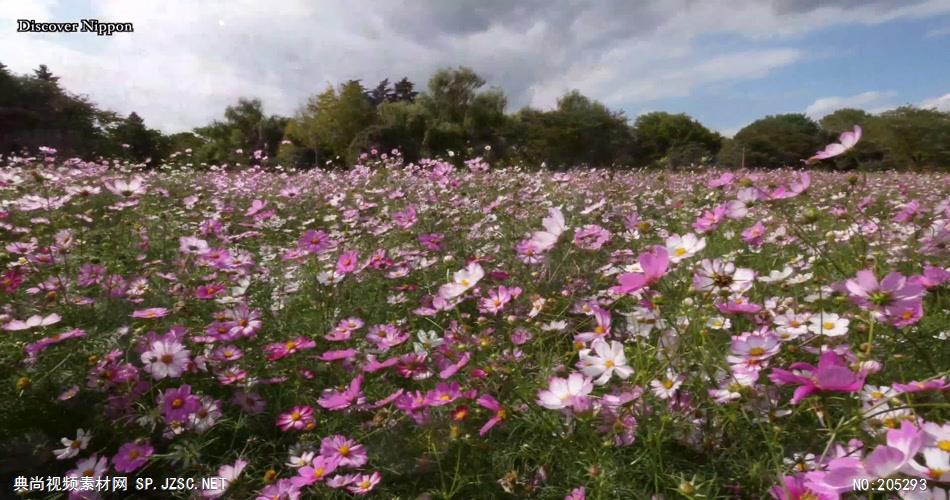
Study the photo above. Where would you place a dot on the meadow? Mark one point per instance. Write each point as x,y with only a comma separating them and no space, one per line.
465,330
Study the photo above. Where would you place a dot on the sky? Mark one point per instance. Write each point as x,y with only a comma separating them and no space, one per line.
724,62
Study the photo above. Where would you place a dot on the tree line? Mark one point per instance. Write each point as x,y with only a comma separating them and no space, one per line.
457,115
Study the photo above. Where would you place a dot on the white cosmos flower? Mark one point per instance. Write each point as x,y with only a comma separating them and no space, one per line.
462,281
683,247
608,360
73,446
828,324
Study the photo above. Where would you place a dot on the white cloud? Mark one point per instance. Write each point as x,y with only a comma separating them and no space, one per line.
187,60
873,101
941,103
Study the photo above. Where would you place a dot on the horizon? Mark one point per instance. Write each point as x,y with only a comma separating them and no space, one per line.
753,60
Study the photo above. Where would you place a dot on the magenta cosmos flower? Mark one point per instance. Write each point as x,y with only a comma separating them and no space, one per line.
654,265
345,451
490,403
297,418
150,313
132,456
340,400
178,404
832,374
316,471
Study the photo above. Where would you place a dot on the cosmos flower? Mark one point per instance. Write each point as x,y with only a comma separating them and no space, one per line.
165,358
831,374
608,359
846,141
297,418
132,456
563,393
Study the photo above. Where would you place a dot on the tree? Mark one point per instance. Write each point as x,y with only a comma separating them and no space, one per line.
459,115
43,73
328,125
245,128
136,141
580,131
919,138
774,141
659,134
403,91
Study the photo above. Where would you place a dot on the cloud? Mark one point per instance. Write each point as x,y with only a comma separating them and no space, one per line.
873,101
187,60
941,103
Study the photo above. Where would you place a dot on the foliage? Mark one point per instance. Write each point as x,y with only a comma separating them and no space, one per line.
773,141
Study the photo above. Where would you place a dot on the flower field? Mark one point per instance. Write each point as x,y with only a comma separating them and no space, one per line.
440,331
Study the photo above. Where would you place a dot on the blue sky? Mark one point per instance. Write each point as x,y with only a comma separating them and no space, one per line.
725,62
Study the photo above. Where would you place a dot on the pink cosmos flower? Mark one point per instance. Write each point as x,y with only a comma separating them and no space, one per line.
846,141
132,456
345,451
150,313
443,394
386,336
497,299
166,358
284,489
895,298
364,483
554,225
341,400
347,262
601,328
832,374
937,384
32,350
177,404
579,493
754,235
654,264
32,322
280,350
314,241
488,402
297,418
591,237
710,219
316,471
563,393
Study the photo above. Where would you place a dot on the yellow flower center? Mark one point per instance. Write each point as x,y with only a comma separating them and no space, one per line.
344,450
756,351
318,472
827,325
680,252
944,445
668,384
609,364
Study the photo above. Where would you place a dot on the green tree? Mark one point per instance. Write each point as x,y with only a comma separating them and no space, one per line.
677,138
915,138
326,128
580,131
245,128
774,141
